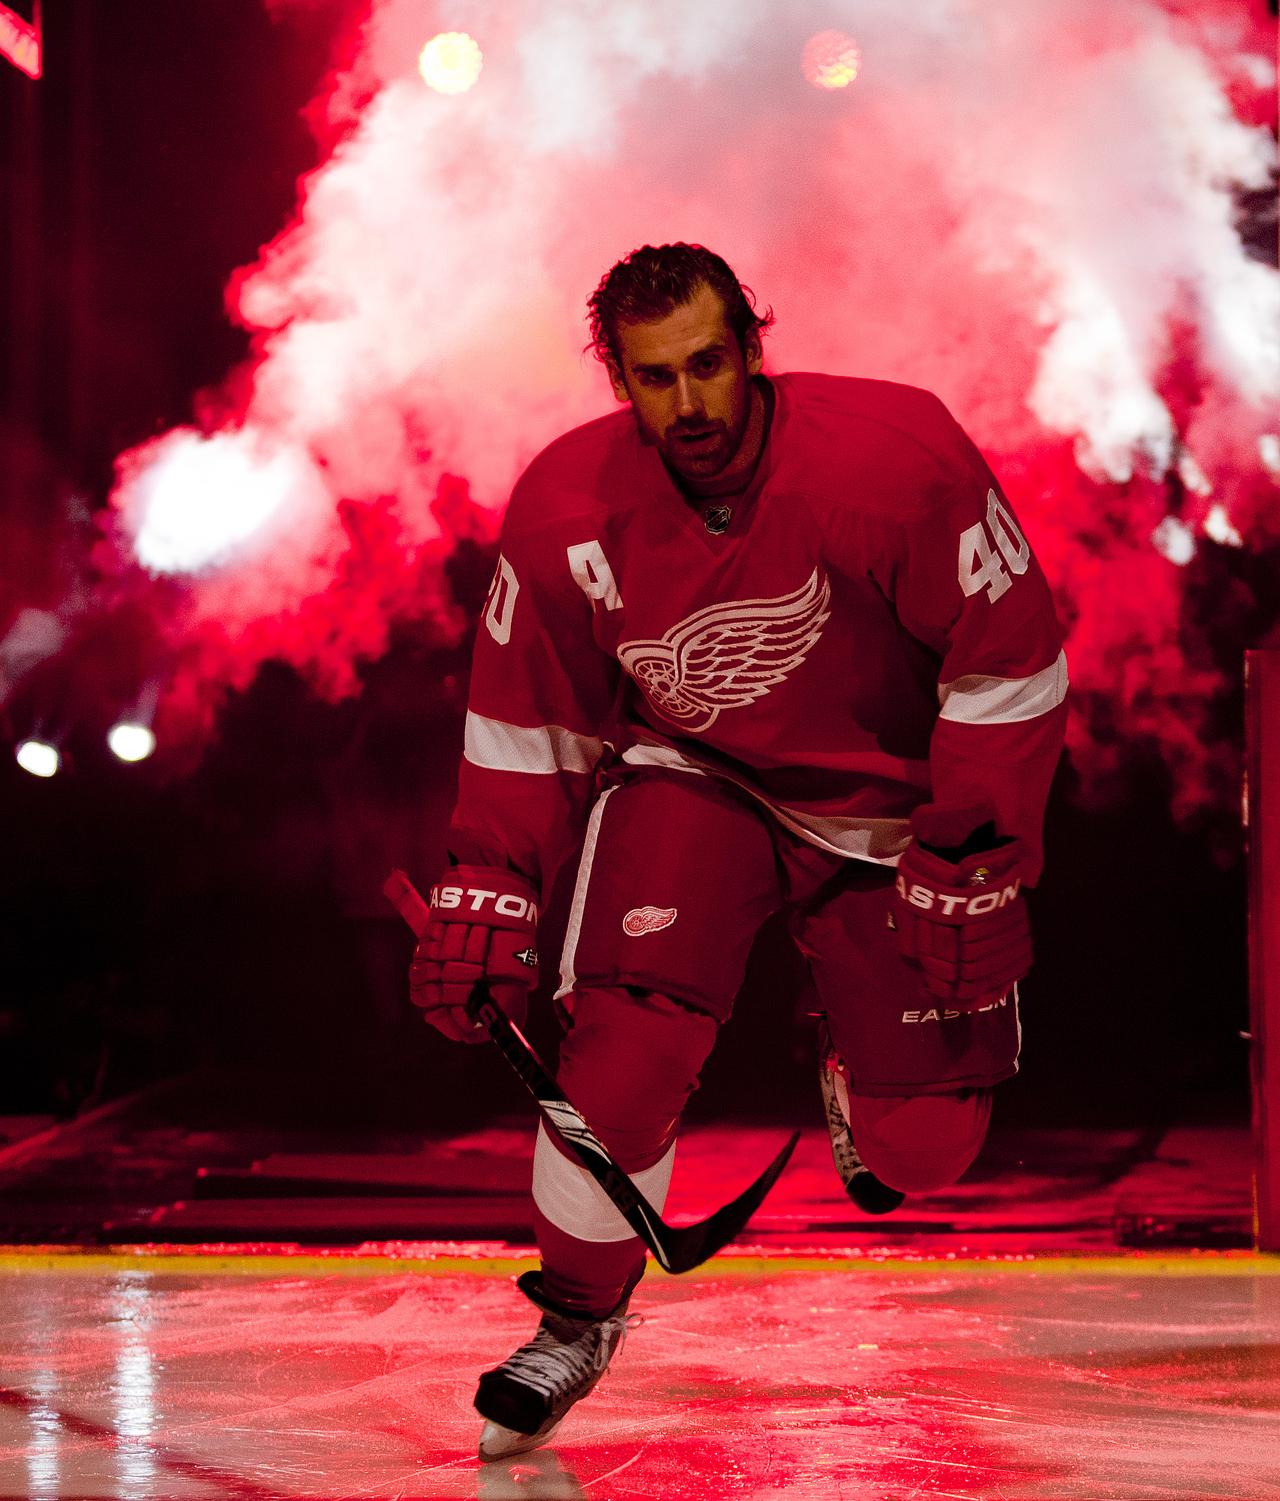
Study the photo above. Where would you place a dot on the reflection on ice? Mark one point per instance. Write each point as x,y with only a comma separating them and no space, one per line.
134,1386
44,1477
540,1476
1134,1379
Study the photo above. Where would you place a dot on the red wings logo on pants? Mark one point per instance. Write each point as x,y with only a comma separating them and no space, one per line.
641,920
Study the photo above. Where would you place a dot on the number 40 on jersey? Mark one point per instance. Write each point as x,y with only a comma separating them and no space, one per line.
983,565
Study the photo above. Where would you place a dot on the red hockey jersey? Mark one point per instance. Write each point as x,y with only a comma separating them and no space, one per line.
869,631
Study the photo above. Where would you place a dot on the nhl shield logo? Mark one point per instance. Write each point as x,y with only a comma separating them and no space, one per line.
642,920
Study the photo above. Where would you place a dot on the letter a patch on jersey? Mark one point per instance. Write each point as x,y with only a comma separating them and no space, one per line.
728,655
642,920
592,574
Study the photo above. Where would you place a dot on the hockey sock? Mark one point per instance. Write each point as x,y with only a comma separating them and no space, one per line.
629,1063
587,1277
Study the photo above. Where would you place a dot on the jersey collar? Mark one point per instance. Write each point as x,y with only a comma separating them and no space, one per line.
692,509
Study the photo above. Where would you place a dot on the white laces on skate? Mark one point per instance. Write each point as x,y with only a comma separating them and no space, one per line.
555,1367
624,1323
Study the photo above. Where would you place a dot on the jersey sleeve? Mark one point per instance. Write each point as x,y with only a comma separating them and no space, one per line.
538,709
966,584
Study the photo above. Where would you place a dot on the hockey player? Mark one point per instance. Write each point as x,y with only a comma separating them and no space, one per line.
754,642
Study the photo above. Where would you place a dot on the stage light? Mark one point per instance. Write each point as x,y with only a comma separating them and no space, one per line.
450,63
830,60
1191,474
1174,540
1217,524
203,499
38,757
131,742
22,42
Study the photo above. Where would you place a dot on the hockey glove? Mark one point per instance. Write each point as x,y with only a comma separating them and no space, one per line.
483,927
960,912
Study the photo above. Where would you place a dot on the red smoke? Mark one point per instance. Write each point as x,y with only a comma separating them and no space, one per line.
1029,211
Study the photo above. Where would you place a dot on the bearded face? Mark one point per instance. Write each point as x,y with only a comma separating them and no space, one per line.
688,380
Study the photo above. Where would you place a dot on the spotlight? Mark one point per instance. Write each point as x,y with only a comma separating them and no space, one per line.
830,60
203,500
38,757
1217,524
1175,540
450,63
131,742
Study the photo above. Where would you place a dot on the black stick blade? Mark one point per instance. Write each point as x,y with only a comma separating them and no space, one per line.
676,1250
683,1249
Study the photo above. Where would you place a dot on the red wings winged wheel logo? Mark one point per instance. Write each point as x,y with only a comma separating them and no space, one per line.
642,920
728,655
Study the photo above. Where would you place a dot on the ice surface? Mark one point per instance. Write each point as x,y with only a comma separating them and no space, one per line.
1148,1379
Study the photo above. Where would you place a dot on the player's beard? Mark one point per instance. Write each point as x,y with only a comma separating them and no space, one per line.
704,457
699,464
704,461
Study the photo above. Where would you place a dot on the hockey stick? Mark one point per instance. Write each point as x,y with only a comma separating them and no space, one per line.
676,1249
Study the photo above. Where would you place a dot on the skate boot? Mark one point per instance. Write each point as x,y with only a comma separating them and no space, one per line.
860,1183
524,1399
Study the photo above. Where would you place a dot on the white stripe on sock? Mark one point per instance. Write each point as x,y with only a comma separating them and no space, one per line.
574,1202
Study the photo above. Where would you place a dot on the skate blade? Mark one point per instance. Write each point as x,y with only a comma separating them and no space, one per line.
497,1442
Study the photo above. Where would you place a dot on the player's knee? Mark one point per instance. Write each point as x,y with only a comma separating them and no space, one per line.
629,1063
918,1142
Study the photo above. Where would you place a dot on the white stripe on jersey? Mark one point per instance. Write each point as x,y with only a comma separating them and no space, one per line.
879,840
574,928
572,1199
982,700
1017,1016
498,746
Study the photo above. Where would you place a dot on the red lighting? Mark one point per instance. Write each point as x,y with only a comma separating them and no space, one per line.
450,63
830,60
38,757
20,41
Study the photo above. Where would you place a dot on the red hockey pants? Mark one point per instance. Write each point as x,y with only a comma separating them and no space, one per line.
678,872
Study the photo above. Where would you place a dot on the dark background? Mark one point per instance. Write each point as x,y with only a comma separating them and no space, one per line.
154,923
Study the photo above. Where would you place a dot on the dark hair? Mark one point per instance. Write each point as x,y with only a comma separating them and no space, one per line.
649,282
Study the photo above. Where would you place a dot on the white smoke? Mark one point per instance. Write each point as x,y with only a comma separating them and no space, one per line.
33,636
1027,207
200,500
1084,157
1134,222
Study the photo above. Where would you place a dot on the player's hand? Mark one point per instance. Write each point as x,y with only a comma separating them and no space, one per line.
483,927
960,913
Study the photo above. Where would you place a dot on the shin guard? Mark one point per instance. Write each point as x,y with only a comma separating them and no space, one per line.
629,1063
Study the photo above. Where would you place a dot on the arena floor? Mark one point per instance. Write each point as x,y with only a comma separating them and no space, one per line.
846,1377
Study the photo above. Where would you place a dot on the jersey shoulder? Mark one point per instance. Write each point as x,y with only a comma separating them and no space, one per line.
876,444
574,475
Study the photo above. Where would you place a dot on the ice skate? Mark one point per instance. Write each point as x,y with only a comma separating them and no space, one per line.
860,1183
524,1399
